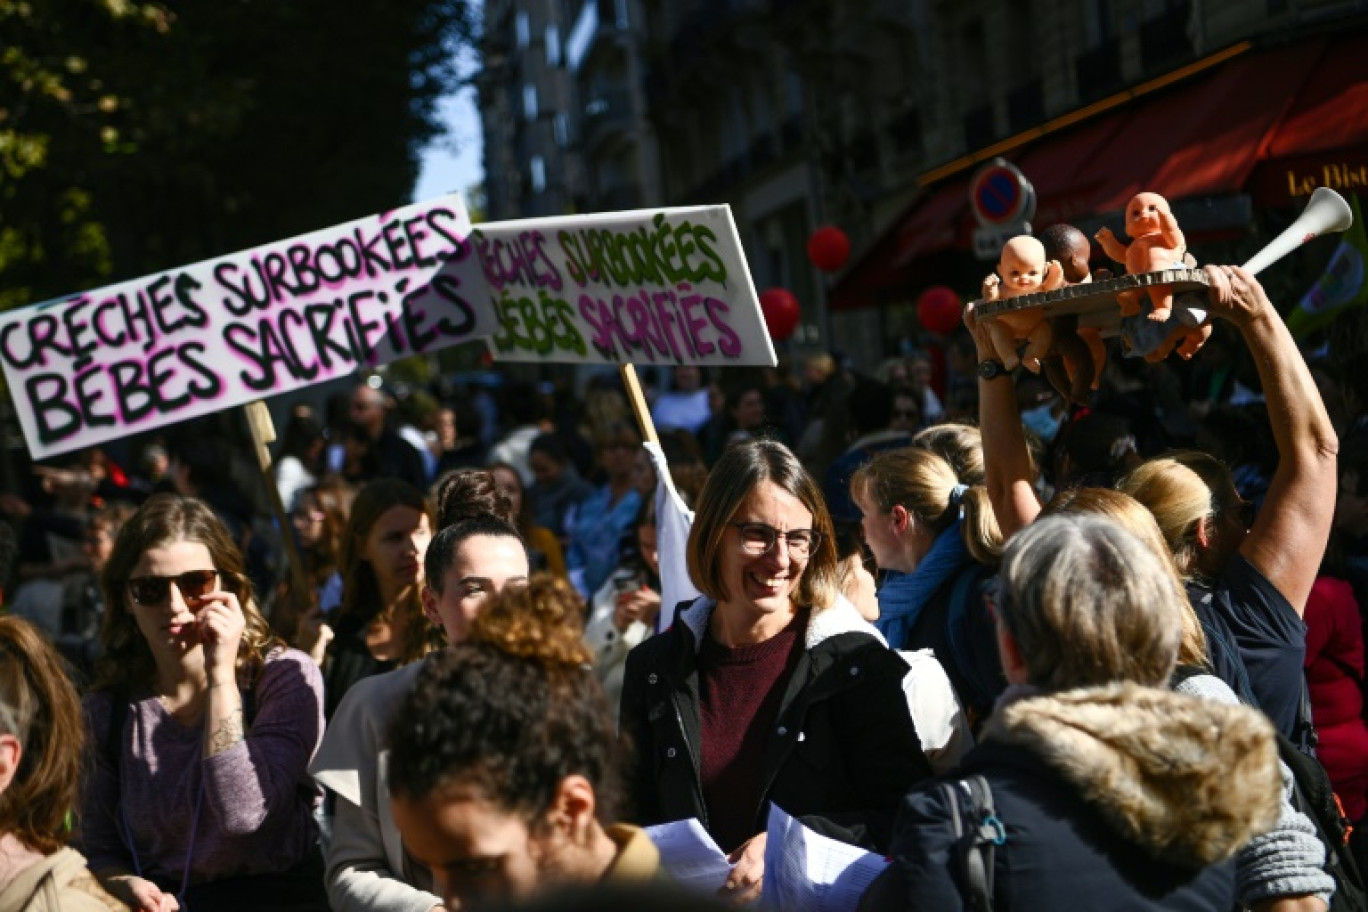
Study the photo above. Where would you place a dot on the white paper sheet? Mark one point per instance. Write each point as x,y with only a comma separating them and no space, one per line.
808,872
690,855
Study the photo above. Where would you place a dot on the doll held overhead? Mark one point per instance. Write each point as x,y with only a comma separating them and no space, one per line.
1079,355
1024,270
1156,244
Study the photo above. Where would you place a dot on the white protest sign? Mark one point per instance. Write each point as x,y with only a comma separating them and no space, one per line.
652,286
185,342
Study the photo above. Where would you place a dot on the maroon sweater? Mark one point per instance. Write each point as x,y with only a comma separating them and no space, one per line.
739,692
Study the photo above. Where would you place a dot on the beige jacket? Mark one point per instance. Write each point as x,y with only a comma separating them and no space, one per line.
61,882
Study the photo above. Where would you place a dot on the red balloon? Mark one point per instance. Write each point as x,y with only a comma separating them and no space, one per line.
781,311
939,308
828,248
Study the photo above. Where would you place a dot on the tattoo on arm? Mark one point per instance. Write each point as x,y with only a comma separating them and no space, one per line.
229,732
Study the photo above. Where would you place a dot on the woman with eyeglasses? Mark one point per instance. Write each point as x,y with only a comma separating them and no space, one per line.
770,687
200,729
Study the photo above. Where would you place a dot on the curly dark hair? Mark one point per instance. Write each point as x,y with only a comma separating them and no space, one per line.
512,711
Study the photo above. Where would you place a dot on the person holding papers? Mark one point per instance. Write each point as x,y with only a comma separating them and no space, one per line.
770,687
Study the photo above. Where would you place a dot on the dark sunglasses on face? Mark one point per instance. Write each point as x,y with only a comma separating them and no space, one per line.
155,590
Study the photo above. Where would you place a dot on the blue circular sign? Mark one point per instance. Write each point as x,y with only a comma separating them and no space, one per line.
997,194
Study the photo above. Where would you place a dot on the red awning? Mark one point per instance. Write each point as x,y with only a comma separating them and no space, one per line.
1211,134
1204,138
1331,110
931,227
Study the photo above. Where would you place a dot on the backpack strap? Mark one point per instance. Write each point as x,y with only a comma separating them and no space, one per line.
978,833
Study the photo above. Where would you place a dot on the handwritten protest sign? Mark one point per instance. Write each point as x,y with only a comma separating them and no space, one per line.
141,354
665,286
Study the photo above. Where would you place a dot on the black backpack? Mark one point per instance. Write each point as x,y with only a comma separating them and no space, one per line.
1314,796
978,832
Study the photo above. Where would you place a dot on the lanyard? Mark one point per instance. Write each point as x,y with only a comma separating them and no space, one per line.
189,851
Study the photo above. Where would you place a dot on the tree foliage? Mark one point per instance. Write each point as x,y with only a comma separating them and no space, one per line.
139,136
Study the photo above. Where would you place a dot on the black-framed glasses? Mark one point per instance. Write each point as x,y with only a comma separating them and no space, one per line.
155,590
759,538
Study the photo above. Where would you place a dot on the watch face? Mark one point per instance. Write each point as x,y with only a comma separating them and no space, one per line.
990,369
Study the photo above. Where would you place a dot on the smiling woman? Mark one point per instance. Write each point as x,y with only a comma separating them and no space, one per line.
771,687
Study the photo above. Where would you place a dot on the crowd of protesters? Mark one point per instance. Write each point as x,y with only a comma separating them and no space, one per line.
1129,632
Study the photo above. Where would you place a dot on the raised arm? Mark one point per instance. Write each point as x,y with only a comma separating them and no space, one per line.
1291,530
1006,459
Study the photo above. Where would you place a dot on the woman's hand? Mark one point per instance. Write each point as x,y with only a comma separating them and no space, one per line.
1236,295
140,895
314,635
748,872
641,605
982,341
221,623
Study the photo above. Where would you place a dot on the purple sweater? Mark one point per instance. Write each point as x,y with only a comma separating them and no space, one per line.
257,813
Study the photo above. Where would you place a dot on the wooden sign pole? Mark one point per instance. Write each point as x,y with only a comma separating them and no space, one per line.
638,400
263,434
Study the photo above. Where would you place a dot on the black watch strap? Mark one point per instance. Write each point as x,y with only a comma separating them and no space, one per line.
991,369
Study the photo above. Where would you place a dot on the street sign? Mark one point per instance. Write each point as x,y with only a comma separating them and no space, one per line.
988,241
1000,194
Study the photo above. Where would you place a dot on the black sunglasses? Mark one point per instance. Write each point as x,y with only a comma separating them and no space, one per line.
155,590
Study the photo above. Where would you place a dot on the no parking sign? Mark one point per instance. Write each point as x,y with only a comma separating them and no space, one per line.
1003,202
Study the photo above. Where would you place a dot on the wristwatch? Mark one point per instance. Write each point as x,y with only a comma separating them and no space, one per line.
990,369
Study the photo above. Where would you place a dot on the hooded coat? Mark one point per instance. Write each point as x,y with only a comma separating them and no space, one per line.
1119,797
58,883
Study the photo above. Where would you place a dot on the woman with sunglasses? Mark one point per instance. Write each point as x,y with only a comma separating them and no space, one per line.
770,687
201,726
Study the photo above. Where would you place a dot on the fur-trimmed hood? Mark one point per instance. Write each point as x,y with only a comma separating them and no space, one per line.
1190,780
825,623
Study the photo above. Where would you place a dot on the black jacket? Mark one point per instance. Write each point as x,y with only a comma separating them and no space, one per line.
1117,798
843,751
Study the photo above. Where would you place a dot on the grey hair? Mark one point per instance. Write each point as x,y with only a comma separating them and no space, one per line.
1088,604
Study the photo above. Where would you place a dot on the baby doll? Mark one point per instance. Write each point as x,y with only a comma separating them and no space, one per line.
1156,244
1080,354
1024,270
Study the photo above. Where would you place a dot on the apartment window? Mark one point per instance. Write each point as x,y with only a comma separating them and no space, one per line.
553,48
561,128
523,24
620,11
538,174
530,102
